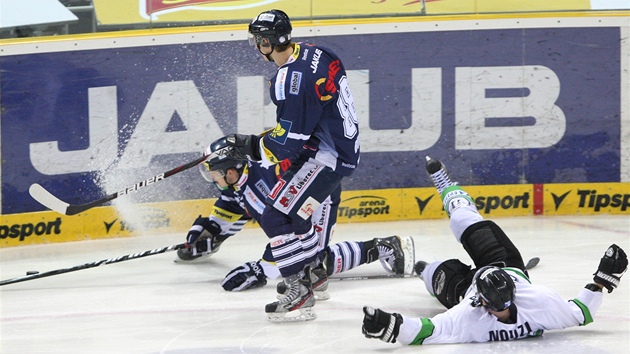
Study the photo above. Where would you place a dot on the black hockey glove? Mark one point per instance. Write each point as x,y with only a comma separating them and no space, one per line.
380,324
203,238
245,146
611,267
248,276
201,228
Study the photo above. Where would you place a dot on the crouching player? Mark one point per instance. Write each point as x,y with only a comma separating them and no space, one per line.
244,186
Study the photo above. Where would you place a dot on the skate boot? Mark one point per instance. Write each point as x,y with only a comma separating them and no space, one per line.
419,268
297,304
452,195
438,174
198,251
319,282
397,254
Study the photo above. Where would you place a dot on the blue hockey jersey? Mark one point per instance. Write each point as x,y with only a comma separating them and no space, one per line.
246,200
315,111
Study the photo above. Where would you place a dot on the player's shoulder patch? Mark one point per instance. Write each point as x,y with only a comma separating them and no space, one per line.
296,79
281,78
281,132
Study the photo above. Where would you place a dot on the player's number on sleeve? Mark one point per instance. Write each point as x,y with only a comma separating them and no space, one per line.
345,103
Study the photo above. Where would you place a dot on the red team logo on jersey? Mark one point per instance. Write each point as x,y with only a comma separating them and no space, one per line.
288,196
325,87
333,69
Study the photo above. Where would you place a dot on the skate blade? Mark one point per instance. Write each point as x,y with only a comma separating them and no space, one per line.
299,315
409,251
321,295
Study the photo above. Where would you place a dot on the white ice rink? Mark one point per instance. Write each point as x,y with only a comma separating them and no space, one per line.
153,305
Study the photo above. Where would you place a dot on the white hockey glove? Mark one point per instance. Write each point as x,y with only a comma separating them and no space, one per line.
380,324
248,276
611,267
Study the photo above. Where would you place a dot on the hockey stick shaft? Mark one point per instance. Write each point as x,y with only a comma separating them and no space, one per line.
127,257
51,202
530,264
368,277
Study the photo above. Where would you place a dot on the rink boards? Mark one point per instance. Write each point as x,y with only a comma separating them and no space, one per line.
513,100
531,109
356,206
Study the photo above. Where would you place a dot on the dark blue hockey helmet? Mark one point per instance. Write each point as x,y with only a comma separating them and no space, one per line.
273,25
495,287
220,158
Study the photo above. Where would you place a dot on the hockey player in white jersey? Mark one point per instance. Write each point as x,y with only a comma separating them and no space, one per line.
497,301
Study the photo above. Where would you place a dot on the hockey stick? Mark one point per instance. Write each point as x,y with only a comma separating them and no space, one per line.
530,264
48,200
33,275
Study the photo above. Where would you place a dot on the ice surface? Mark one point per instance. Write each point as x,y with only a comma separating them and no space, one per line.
153,305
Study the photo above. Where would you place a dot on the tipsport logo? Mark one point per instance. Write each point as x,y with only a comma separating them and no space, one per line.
593,199
22,231
363,207
486,204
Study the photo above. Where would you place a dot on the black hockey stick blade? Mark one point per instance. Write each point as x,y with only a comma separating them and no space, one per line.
93,264
51,202
532,263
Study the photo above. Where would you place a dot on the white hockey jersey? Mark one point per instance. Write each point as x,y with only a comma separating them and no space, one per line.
538,308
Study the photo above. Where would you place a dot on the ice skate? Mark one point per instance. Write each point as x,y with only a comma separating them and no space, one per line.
297,304
319,282
397,254
438,174
453,197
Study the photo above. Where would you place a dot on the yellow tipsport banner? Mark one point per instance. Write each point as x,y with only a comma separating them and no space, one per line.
355,206
425,203
504,200
102,222
372,205
116,12
587,198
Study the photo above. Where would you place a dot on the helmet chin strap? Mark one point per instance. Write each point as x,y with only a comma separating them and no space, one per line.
267,56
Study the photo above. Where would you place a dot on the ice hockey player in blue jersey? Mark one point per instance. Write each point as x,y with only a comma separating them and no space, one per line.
244,186
496,301
317,129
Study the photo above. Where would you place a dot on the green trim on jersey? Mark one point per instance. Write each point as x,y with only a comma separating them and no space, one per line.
588,318
448,189
425,332
518,272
